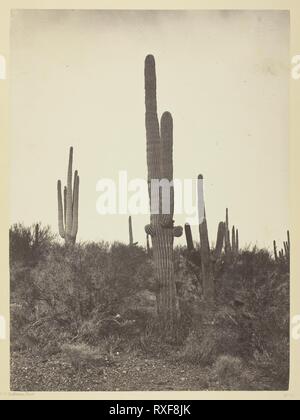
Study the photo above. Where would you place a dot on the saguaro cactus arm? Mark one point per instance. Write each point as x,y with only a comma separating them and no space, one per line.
75,206
61,227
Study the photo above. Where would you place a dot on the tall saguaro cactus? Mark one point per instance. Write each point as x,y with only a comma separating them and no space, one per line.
237,242
130,231
161,228
131,243
189,237
220,240
227,234
275,250
68,208
233,241
206,262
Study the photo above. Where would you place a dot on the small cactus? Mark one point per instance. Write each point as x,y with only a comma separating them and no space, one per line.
68,212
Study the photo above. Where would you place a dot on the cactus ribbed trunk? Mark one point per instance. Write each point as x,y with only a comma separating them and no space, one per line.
206,262
160,166
288,245
227,236
130,231
237,242
68,205
233,245
164,269
220,240
275,251
189,237
148,245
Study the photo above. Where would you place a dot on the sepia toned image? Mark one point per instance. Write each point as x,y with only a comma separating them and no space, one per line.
149,184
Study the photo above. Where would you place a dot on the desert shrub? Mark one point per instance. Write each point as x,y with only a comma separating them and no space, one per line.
27,245
82,355
103,296
228,368
81,289
230,373
204,345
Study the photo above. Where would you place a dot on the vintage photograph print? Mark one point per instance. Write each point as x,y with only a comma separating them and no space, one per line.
149,221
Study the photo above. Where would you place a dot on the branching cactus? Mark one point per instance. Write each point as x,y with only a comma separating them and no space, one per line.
161,228
68,208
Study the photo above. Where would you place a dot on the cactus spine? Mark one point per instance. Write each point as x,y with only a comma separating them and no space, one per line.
161,228
68,210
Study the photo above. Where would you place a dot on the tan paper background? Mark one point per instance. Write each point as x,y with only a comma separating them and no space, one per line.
294,7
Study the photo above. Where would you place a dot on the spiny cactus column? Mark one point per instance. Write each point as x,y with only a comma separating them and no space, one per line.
275,250
206,263
68,213
148,245
161,228
237,242
227,235
288,246
130,231
131,243
189,237
220,240
233,241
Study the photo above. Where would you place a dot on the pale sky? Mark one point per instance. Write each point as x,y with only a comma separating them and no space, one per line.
77,79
